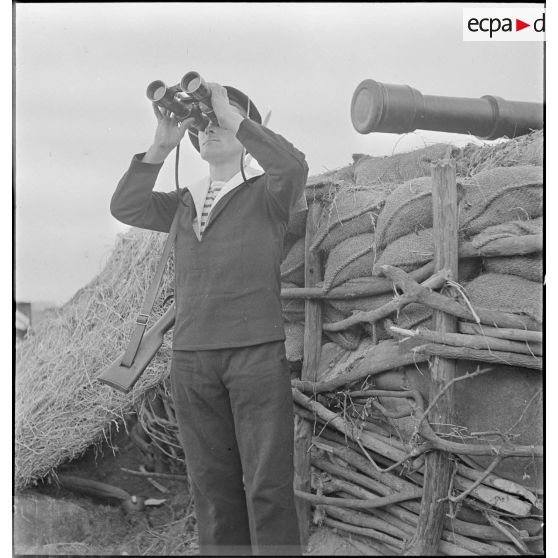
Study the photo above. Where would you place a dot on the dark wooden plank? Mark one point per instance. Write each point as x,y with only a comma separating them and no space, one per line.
438,466
312,351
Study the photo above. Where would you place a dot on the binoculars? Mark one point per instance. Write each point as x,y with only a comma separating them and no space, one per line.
184,99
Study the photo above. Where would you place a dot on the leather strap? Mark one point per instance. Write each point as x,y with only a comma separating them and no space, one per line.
143,316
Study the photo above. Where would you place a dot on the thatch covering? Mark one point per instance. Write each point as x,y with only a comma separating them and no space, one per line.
60,409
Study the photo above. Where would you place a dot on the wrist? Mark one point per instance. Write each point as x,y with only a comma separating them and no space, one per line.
232,122
156,154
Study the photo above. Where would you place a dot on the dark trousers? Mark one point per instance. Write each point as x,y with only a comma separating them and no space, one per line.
235,417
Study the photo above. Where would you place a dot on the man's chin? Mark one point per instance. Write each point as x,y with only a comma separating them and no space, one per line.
212,154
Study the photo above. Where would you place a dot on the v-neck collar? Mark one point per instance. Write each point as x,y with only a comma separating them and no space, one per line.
199,190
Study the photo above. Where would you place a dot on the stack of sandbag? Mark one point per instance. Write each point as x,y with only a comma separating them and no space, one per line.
500,207
381,214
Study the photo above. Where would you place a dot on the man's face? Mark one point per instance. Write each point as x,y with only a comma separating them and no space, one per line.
218,145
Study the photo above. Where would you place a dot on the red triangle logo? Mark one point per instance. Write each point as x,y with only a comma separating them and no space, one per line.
519,25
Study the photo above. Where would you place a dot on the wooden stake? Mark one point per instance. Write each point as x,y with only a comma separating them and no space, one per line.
438,466
312,352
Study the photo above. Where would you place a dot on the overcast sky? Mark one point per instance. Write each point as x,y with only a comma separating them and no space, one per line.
81,112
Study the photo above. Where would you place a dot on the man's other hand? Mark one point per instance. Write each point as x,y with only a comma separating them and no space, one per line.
168,134
228,116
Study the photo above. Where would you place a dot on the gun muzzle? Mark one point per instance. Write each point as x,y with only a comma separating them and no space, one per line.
169,98
398,109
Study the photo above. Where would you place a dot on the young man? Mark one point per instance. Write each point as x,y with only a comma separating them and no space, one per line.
229,375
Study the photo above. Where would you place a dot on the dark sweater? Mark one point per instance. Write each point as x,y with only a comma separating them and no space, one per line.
227,286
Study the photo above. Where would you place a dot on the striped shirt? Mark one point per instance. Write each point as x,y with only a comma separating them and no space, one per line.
214,189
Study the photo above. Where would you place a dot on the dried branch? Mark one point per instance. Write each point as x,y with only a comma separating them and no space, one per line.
482,342
464,353
440,302
358,504
501,332
435,282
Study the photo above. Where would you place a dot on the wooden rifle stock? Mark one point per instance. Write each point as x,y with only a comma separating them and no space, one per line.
123,378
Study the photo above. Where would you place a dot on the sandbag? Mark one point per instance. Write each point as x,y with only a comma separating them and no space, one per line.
508,399
417,249
294,341
407,209
354,257
500,195
399,167
410,251
509,229
529,266
322,187
292,267
350,213
507,293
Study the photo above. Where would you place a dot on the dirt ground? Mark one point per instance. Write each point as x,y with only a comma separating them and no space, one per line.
86,525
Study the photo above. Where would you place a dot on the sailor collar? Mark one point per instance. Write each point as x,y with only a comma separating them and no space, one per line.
199,190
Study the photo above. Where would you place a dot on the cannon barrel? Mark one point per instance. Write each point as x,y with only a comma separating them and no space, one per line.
398,109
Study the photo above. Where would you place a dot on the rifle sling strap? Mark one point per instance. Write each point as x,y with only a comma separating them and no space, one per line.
143,316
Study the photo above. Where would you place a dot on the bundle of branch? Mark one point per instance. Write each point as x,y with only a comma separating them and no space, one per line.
156,415
475,347
377,497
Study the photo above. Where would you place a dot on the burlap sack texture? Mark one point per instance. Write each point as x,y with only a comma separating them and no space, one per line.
400,167
408,209
528,267
294,341
354,257
508,293
507,400
500,195
292,267
510,229
417,249
349,213
524,150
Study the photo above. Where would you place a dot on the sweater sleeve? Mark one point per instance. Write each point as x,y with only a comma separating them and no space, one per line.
285,166
134,202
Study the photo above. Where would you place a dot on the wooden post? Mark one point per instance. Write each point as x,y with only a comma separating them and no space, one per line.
312,351
438,467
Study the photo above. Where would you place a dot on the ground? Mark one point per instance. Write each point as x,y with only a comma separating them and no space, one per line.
84,525
167,529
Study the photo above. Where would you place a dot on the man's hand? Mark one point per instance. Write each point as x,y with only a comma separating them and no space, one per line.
227,115
168,135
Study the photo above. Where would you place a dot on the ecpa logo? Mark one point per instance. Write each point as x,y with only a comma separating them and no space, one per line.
503,24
